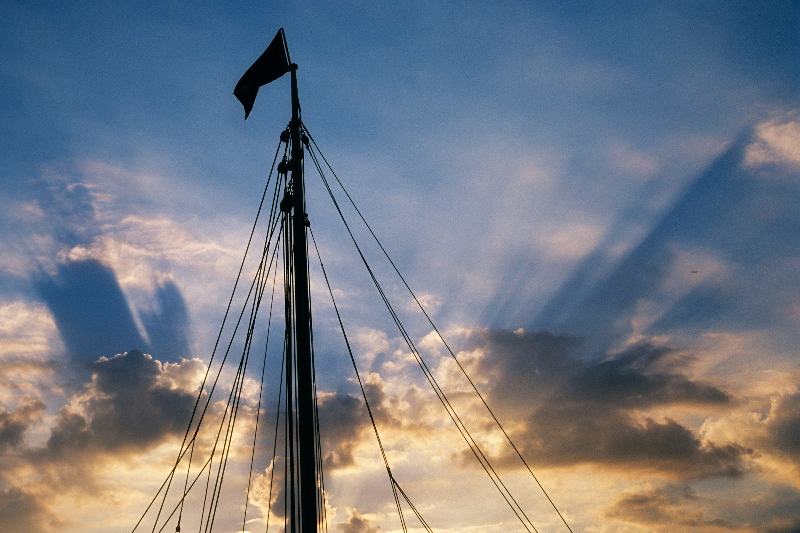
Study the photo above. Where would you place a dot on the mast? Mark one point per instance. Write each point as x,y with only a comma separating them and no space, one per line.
306,427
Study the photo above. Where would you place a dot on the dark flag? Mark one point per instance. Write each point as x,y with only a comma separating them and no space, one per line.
272,64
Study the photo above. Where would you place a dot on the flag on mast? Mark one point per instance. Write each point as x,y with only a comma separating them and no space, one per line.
272,64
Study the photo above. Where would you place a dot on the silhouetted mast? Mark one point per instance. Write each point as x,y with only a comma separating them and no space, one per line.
302,481
303,471
306,427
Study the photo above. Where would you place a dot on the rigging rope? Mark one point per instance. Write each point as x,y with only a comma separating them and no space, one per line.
258,287
363,392
258,408
476,450
275,440
188,444
279,236
438,333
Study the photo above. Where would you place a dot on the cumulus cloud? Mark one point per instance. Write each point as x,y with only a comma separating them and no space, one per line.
125,408
344,426
342,419
595,412
132,404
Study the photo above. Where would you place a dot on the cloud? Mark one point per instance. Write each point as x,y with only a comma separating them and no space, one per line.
94,318
642,376
776,141
68,208
572,241
24,511
132,405
125,408
624,158
343,422
789,525
27,331
28,338
595,412
783,425
704,72
357,523
14,424
771,509
541,364
343,419
104,264
671,505
571,435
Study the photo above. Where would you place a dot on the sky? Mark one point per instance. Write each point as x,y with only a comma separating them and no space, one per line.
598,205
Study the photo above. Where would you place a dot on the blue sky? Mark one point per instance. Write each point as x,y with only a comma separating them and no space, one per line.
598,204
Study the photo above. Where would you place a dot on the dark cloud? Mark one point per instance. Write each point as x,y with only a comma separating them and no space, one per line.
539,365
90,310
23,511
595,411
13,424
342,419
784,426
670,505
344,422
525,367
634,380
126,408
576,434
674,505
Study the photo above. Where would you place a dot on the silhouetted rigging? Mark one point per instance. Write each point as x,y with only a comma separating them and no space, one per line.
287,230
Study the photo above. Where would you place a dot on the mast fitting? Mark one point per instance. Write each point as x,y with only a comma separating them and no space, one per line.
287,203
